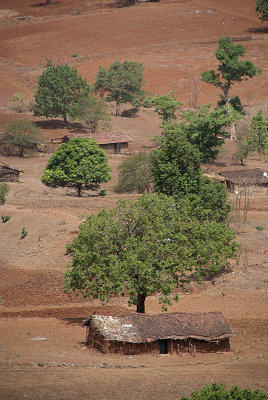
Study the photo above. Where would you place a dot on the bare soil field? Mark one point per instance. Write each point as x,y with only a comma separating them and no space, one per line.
42,344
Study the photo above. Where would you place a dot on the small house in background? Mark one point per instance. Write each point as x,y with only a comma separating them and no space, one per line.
163,333
111,142
245,177
8,174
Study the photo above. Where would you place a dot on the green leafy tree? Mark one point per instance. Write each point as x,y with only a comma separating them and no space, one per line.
4,189
134,174
140,248
231,70
122,82
175,163
165,106
217,391
210,202
258,134
204,128
262,9
243,151
60,87
80,163
22,134
176,171
94,112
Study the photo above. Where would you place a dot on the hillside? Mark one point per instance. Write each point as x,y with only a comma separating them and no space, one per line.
41,340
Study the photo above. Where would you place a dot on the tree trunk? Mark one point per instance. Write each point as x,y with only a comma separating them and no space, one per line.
21,151
79,190
141,303
117,109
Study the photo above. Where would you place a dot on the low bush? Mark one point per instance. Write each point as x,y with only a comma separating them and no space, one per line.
217,391
24,233
4,189
5,218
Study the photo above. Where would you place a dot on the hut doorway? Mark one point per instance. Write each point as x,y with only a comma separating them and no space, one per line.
163,346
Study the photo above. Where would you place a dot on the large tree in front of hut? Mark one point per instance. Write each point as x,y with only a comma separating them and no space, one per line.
144,247
80,163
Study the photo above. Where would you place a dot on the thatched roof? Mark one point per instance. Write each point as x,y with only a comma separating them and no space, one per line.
252,176
215,177
7,173
144,328
110,137
101,138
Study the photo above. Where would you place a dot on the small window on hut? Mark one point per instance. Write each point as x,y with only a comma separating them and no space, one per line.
163,346
117,148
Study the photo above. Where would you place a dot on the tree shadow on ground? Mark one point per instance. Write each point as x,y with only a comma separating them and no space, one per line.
75,320
54,124
44,4
262,30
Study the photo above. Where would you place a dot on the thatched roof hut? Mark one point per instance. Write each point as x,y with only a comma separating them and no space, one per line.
8,174
242,177
164,333
111,142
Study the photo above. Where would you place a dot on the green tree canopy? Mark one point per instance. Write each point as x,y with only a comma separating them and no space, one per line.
94,112
165,106
217,391
209,203
134,174
60,87
122,82
21,133
140,248
262,9
80,163
175,163
176,171
204,128
258,134
231,70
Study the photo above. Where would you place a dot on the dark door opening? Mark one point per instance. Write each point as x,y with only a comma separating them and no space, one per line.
163,346
117,148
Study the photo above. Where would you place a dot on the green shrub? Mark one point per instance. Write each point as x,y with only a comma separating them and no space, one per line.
134,174
148,102
217,391
103,193
4,189
5,218
24,233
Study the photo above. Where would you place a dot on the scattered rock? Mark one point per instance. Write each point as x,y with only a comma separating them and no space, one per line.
41,364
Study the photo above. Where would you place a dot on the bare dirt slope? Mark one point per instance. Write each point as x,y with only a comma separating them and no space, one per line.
42,351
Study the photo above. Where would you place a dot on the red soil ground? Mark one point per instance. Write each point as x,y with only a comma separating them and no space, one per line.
42,352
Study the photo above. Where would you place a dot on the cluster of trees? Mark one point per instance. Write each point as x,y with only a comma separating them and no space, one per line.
156,243
62,92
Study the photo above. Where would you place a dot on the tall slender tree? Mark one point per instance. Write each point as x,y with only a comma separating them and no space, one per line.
231,70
